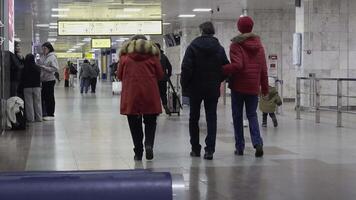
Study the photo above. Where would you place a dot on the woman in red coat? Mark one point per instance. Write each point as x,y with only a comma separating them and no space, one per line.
248,76
139,70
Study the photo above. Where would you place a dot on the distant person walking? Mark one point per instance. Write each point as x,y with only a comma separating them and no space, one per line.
167,69
85,76
248,76
94,73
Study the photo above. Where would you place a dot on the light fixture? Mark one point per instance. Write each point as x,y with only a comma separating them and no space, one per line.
186,16
55,15
52,39
42,25
132,9
123,16
53,24
53,27
60,9
80,44
166,23
202,10
72,49
86,40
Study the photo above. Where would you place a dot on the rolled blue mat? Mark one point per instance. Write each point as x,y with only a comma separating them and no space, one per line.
87,185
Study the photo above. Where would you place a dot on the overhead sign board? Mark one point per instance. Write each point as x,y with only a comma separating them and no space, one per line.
69,55
88,28
101,43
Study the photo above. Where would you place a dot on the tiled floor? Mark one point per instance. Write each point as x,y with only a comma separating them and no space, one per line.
303,160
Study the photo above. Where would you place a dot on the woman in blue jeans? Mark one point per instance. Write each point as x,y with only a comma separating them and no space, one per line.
248,76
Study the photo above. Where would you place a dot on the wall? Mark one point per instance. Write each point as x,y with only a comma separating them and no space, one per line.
330,34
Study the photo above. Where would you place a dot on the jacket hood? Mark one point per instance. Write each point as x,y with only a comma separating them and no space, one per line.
248,41
272,92
140,49
207,44
51,54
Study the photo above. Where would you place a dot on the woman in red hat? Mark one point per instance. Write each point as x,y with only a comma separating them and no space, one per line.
248,76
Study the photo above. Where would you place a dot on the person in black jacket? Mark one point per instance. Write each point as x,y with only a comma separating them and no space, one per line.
31,80
200,80
16,65
162,84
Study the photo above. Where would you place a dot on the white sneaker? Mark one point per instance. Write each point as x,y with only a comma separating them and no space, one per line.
245,123
48,118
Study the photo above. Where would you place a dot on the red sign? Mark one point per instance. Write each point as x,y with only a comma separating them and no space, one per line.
272,57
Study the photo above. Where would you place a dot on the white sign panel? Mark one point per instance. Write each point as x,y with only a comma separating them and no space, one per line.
85,28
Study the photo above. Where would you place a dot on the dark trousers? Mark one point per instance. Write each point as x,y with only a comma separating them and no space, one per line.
163,92
84,85
137,132
93,82
66,83
48,100
237,102
264,117
210,105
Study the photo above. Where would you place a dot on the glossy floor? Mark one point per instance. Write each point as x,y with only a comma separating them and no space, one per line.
303,160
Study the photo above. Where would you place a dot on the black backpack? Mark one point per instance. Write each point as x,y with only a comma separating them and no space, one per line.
20,121
73,70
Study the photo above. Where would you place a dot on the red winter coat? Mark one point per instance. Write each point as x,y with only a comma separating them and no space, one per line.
248,68
139,70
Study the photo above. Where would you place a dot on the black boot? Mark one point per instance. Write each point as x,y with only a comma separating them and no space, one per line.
259,151
274,119
166,109
264,120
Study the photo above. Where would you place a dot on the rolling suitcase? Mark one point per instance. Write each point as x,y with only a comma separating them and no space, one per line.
174,104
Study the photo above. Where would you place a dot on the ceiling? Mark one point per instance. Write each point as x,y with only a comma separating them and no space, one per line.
35,13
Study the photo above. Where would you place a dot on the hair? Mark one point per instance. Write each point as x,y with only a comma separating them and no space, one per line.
207,28
86,61
30,60
49,46
158,45
15,44
137,37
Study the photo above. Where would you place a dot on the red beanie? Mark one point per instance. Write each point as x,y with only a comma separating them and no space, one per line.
245,24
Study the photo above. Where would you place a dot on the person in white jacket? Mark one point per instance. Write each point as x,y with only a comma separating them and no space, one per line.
49,66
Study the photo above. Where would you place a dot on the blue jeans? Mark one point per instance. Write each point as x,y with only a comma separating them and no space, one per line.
237,102
84,85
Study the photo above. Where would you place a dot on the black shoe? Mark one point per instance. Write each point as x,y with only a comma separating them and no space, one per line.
168,112
259,151
194,154
275,123
264,124
138,157
208,156
239,152
149,153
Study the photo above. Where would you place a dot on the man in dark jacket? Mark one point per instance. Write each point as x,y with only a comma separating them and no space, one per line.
17,64
201,78
248,72
167,69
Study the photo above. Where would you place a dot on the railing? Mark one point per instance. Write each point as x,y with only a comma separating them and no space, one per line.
316,95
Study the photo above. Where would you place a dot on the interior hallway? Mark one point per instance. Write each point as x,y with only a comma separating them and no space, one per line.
303,160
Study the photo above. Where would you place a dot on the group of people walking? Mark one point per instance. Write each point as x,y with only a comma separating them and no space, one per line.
88,75
34,80
205,66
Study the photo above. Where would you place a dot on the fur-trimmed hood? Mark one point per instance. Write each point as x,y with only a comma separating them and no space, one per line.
141,47
249,41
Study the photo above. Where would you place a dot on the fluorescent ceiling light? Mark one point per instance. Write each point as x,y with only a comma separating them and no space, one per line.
52,39
202,10
42,25
166,23
60,9
17,39
71,49
53,27
132,9
55,15
186,16
123,16
53,24
86,40
80,44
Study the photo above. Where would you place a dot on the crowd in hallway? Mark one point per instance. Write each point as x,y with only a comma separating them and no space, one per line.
144,72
